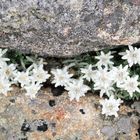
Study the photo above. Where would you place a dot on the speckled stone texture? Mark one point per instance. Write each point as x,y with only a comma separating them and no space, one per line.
51,117
68,27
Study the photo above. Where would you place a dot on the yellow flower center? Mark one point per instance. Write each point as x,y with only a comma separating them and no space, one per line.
23,78
8,72
110,107
61,78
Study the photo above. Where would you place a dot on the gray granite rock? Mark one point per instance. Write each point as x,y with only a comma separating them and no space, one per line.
109,131
26,119
136,106
124,125
68,27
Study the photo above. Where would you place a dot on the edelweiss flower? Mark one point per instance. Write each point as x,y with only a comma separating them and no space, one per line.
61,77
76,89
108,90
32,89
23,78
132,55
103,82
120,74
2,59
39,74
131,85
4,86
110,106
89,74
103,76
9,71
104,59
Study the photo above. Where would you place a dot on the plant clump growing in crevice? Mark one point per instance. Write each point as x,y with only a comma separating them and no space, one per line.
113,74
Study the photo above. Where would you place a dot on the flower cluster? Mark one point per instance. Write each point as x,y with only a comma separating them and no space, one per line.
75,87
31,80
104,76
109,78
7,73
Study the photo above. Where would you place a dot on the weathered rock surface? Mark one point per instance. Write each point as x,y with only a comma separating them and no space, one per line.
68,27
56,118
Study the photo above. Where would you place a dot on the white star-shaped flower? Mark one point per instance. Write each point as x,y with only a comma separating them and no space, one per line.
61,77
120,74
39,74
132,55
4,86
108,89
8,71
2,58
104,82
131,85
32,89
23,78
89,74
76,89
110,106
104,59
